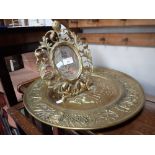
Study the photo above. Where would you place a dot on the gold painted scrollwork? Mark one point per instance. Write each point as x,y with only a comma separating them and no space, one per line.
62,88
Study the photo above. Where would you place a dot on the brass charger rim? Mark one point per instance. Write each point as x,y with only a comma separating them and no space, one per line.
116,122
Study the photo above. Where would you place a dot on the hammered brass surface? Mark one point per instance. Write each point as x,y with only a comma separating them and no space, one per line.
113,98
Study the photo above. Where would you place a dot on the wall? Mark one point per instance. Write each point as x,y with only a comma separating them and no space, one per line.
139,62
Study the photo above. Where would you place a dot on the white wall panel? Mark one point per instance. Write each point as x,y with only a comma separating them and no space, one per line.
139,62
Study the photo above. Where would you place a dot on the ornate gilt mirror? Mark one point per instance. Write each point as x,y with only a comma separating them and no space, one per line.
67,59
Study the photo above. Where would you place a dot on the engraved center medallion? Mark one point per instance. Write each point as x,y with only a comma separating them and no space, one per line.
104,91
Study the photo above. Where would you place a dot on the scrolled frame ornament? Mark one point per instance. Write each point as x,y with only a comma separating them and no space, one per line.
62,88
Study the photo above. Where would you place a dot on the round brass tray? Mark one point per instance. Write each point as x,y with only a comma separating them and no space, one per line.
114,98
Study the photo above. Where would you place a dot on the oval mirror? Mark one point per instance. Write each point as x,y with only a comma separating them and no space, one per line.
67,62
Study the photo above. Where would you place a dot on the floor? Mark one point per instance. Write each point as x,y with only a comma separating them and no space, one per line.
29,71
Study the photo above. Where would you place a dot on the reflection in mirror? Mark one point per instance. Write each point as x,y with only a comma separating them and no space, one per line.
67,62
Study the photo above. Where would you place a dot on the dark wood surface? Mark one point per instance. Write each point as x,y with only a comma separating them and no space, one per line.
21,36
16,41
20,40
2,100
23,122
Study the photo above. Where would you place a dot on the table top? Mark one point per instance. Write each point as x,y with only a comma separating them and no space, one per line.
21,35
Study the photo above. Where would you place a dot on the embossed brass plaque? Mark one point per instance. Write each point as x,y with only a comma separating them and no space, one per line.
113,98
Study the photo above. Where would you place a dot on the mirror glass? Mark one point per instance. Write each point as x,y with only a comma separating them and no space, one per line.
67,62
